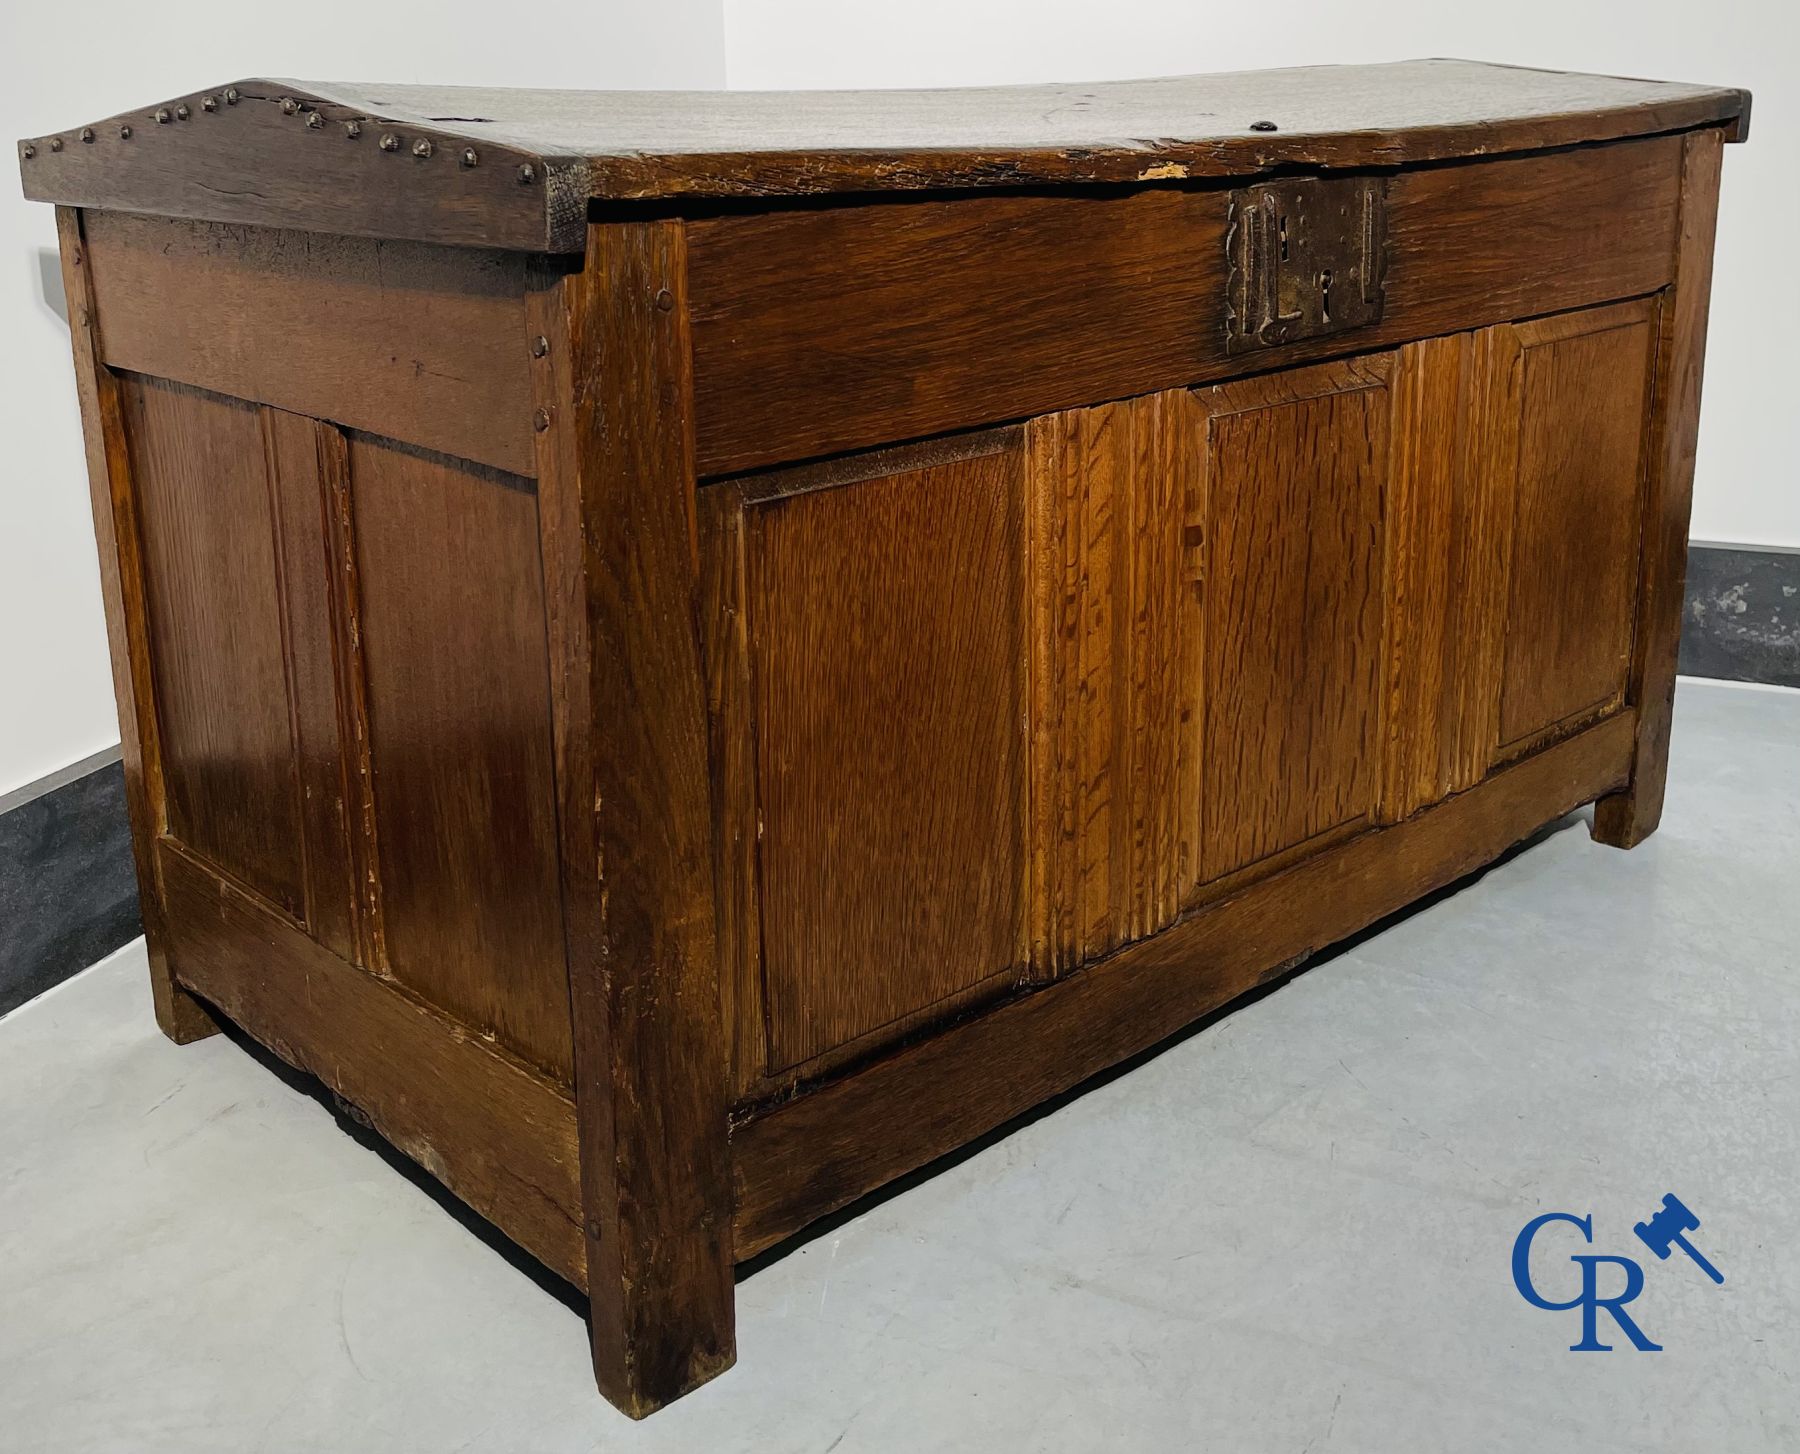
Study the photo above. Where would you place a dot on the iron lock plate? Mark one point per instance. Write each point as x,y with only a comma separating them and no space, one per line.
1307,255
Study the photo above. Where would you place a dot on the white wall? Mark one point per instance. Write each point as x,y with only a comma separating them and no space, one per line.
1745,486
63,65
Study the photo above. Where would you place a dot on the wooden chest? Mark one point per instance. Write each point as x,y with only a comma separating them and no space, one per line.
688,655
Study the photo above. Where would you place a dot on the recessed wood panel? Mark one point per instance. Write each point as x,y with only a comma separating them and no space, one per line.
1583,407
219,659
1427,495
452,635
1296,468
887,660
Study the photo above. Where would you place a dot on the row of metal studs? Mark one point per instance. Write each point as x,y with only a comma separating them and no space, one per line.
315,121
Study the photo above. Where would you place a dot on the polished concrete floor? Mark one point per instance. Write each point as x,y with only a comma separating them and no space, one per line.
1290,1232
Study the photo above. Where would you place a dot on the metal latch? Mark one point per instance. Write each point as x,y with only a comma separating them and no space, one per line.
1307,256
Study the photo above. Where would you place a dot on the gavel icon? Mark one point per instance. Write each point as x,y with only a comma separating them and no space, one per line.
1665,1229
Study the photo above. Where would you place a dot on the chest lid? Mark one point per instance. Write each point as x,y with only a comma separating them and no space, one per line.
520,168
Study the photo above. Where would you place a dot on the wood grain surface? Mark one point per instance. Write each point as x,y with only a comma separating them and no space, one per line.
833,328
516,168
685,713
347,641
112,497
1432,443
451,627
230,788
736,830
1583,410
350,687
498,1134
1296,469
274,154
295,448
411,342
1117,537
1459,418
805,1158
1627,819
887,657
1261,616
650,1062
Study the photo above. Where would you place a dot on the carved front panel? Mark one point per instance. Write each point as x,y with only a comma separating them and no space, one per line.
1449,528
1235,624
1117,539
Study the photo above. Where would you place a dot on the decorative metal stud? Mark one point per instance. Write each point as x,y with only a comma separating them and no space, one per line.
314,121
162,115
422,147
540,421
182,113
56,143
353,129
527,174
289,105
1264,126
665,300
231,95
28,151
540,346
124,133
390,142
87,135
209,103
470,158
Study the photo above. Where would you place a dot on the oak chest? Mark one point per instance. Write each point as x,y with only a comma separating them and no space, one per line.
688,655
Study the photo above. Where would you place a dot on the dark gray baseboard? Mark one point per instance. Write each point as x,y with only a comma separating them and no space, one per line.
1741,614
68,892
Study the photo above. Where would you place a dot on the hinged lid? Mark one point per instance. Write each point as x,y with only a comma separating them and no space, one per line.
517,169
